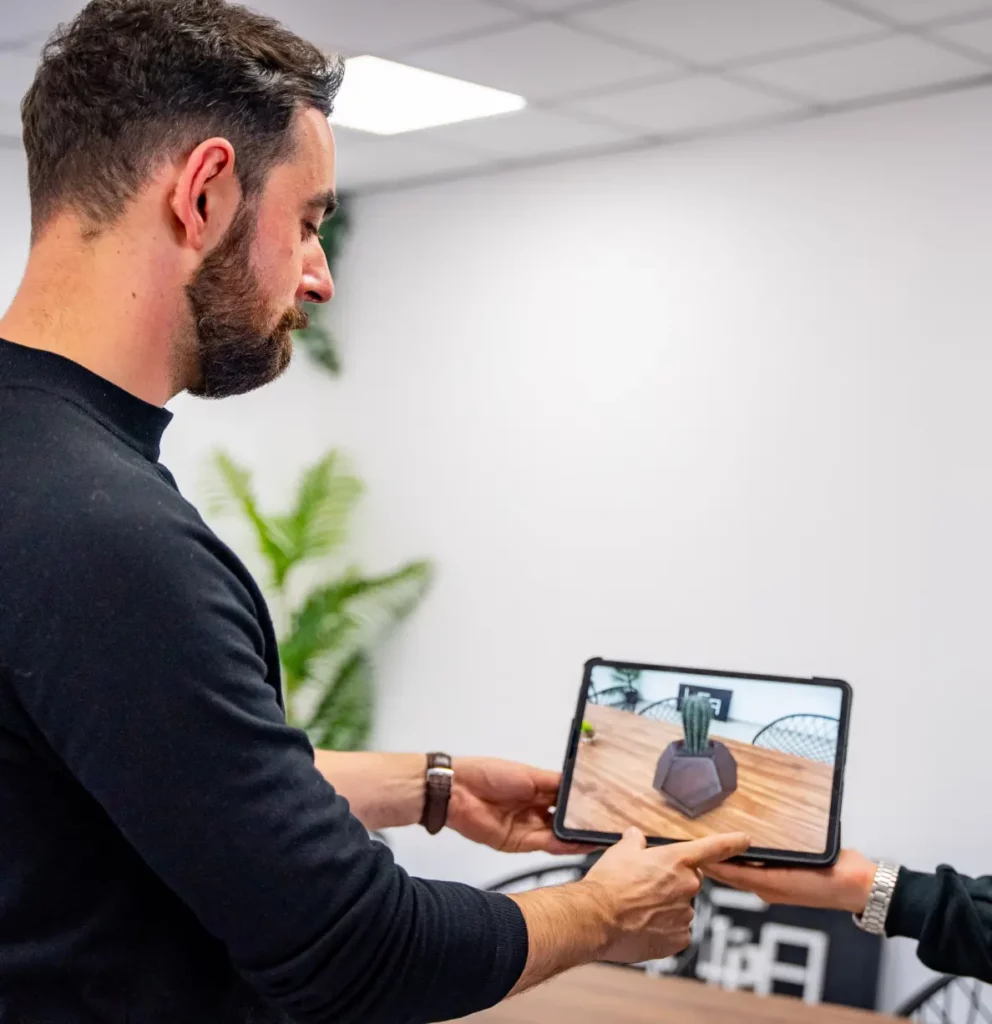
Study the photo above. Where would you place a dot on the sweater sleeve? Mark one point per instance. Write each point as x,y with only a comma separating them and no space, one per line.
950,915
148,682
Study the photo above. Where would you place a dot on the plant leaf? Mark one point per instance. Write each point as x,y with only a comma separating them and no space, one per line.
317,524
320,344
334,232
345,618
322,511
233,492
320,625
343,719
342,674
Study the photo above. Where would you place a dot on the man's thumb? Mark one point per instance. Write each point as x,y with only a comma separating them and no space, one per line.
633,837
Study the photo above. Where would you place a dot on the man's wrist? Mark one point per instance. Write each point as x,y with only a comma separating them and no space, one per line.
598,909
408,788
400,799
384,790
567,926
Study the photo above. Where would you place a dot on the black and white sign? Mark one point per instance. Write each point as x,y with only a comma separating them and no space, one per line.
742,943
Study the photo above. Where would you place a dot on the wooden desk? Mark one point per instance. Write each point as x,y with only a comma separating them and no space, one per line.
782,801
599,994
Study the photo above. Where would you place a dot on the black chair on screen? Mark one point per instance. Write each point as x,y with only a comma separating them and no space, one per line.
950,1000
813,737
663,711
624,698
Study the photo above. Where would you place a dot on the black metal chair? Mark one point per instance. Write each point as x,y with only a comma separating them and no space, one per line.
666,710
811,736
626,698
554,874
683,965
950,1000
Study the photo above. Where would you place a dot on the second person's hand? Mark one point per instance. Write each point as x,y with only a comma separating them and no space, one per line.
845,886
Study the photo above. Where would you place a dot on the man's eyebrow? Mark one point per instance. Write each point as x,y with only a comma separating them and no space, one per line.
326,201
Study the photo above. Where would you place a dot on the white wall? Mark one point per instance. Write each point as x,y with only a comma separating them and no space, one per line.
17,221
723,405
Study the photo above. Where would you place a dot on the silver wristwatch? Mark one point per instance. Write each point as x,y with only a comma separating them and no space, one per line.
872,920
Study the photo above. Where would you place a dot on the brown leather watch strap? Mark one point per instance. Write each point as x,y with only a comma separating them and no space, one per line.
437,792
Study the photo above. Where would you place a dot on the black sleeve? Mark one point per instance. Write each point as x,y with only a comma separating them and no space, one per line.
148,682
950,915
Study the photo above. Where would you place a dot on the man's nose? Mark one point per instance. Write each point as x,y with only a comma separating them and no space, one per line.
316,284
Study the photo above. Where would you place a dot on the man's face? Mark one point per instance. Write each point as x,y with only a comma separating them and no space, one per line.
247,295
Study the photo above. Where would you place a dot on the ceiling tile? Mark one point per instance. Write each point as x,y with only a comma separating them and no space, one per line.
871,69
347,139
976,35
690,104
718,31
396,158
383,27
542,60
526,134
916,12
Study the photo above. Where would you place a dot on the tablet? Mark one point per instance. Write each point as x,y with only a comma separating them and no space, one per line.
684,752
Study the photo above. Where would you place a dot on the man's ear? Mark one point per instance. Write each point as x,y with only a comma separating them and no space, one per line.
206,195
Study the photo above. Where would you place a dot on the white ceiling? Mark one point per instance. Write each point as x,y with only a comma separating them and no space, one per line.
603,75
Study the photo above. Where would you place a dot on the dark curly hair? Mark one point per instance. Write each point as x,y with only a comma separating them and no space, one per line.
130,83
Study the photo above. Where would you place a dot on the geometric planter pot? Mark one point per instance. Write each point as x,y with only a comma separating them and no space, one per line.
696,783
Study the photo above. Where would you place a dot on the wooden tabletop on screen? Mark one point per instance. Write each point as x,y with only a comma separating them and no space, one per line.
598,994
782,801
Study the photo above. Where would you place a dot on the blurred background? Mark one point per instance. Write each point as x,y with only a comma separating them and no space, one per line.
683,358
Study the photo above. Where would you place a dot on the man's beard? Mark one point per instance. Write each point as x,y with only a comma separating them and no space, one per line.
234,349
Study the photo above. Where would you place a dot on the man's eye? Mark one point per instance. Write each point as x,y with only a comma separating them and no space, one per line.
310,230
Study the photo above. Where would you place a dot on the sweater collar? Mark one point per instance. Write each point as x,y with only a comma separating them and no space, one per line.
135,421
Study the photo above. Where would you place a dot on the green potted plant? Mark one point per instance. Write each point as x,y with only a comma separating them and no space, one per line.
696,774
587,732
627,679
329,617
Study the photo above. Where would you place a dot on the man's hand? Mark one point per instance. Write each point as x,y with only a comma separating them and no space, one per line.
502,804
649,892
845,886
635,904
506,805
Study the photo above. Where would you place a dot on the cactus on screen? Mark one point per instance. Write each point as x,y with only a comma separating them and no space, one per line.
696,717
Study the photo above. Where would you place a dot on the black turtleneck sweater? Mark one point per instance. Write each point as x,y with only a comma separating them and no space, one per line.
168,851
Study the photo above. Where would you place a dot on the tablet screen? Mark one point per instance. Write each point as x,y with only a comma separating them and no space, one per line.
683,753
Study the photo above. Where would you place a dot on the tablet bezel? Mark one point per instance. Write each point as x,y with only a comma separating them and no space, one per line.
762,855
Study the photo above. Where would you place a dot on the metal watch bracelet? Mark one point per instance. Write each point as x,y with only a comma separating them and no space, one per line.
873,918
